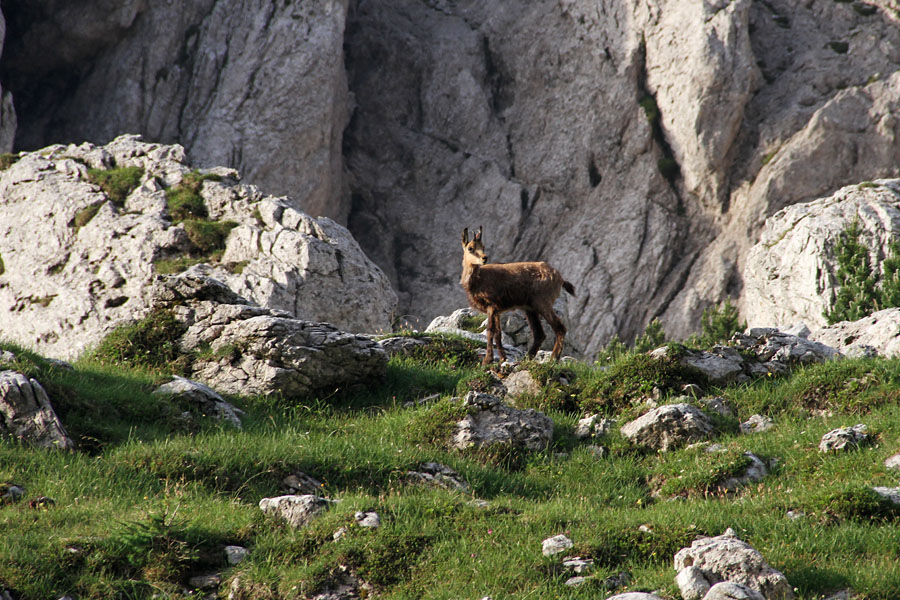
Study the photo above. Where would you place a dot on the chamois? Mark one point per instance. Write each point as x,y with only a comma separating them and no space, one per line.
497,288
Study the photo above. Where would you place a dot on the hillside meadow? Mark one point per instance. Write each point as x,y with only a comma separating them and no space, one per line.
152,497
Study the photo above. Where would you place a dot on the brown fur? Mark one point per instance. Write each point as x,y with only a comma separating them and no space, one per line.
532,287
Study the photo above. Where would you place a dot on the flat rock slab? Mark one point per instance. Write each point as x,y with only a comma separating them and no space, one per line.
669,426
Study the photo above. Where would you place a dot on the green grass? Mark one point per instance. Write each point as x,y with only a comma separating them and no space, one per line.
117,183
148,500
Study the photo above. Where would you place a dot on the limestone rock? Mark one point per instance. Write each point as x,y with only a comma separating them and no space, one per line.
719,365
216,67
260,351
771,346
790,275
892,462
844,438
728,590
593,425
235,555
368,519
436,474
89,274
556,544
296,510
757,424
692,583
668,426
521,382
402,345
876,334
206,400
888,493
26,413
490,422
727,558
578,565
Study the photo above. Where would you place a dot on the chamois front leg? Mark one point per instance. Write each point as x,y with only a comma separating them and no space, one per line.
498,332
489,352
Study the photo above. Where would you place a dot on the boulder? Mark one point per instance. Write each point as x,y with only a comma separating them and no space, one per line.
521,383
727,558
844,438
720,365
491,422
875,335
668,427
202,398
296,510
692,583
253,350
26,413
367,519
98,257
888,493
235,555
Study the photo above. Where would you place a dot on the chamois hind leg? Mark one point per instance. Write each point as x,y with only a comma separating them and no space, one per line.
489,352
498,339
537,332
558,328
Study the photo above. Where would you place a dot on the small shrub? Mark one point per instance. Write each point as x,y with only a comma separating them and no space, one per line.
184,203
651,109
718,324
653,337
151,342
208,236
117,183
614,350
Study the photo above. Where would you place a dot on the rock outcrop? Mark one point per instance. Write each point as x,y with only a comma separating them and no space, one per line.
490,422
726,558
297,511
77,262
514,114
241,348
791,274
875,335
26,413
668,427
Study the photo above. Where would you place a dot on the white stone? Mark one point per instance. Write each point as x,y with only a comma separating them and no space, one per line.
728,590
668,426
368,519
235,555
296,510
844,438
556,544
692,584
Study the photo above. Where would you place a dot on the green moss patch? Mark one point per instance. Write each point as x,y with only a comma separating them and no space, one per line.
151,342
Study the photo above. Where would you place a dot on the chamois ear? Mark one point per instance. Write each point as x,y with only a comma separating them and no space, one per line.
465,236
477,237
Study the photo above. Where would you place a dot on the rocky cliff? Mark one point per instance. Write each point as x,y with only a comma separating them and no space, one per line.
638,146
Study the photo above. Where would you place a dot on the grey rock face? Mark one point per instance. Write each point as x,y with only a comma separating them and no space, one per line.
296,510
260,351
875,335
206,400
232,72
26,413
63,294
790,275
669,426
844,438
490,422
727,558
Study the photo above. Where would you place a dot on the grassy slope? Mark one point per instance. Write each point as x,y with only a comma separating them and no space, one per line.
150,500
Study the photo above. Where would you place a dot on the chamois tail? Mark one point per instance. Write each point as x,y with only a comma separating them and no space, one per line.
569,287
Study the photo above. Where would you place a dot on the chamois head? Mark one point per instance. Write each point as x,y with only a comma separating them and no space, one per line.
473,251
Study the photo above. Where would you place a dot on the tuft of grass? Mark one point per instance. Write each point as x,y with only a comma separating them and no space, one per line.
116,183
84,215
857,504
208,236
150,342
